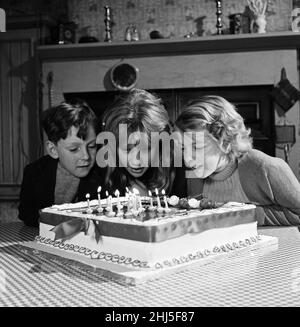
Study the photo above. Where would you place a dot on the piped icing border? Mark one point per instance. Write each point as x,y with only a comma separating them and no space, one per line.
115,258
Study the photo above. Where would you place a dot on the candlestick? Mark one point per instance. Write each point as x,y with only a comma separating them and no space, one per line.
99,199
219,24
89,210
107,22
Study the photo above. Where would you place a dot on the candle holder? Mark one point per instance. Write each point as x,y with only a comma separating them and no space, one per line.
219,24
107,22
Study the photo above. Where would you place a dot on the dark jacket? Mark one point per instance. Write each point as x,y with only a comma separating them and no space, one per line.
38,187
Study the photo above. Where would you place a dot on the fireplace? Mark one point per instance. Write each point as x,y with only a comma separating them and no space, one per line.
252,102
241,68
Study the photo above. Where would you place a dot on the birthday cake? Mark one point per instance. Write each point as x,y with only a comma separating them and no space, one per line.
140,233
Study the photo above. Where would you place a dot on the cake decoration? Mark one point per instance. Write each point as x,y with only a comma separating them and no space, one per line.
173,200
115,258
193,203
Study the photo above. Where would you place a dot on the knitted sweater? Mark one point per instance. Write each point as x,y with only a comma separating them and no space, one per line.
260,179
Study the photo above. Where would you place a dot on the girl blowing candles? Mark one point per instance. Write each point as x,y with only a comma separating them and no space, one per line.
132,119
230,170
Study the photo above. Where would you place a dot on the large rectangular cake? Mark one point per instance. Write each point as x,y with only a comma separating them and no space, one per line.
148,238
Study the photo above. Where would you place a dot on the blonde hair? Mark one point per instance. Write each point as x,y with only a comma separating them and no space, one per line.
221,119
140,111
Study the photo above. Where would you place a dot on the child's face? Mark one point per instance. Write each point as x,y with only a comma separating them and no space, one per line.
75,154
136,155
202,154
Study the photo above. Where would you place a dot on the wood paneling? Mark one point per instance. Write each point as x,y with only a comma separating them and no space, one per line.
19,136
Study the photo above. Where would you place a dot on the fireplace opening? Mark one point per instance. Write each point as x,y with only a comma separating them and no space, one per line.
254,103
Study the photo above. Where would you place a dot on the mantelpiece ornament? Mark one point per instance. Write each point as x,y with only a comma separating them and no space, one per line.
124,76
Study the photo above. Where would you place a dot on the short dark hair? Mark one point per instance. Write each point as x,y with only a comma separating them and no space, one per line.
56,121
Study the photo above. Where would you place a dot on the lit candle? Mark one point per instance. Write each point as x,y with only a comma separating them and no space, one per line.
117,194
151,200
110,212
99,199
129,205
110,203
107,201
89,210
135,192
139,199
165,200
119,206
157,198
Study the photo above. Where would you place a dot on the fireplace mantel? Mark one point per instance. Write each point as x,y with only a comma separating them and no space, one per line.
200,62
165,47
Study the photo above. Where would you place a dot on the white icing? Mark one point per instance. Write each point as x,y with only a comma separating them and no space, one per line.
153,253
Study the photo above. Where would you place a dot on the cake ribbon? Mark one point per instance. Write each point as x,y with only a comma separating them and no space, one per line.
72,227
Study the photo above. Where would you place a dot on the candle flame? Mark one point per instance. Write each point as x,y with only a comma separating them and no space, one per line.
150,193
87,195
163,192
106,193
99,189
156,191
117,193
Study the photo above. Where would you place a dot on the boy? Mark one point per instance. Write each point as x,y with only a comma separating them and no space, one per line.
67,173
